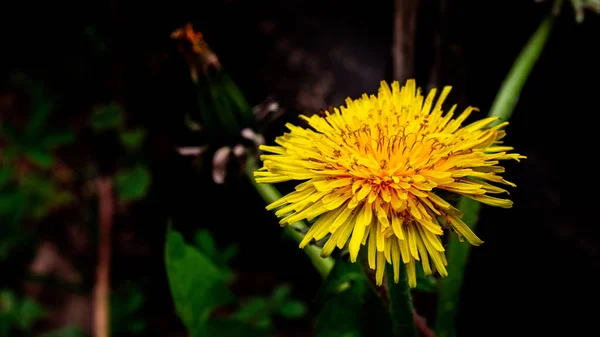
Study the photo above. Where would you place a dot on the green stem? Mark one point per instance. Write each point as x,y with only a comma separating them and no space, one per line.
510,90
458,252
401,309
450,286
270,194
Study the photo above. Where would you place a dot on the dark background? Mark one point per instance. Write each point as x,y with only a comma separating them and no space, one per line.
538,270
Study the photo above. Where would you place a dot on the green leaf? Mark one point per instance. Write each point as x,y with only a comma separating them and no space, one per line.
349,307
17,313
58,139
40,157
280,295
125,305
133,139
133,183
109,116
254,310
197,285
29,313
229,253
293,309
206,243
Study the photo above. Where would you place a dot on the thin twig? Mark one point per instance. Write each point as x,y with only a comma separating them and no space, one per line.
102,287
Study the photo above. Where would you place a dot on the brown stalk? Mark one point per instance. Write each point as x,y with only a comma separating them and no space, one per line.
403,45
101,327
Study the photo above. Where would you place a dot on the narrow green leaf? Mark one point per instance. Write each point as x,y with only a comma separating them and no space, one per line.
510,90
197,285
503,107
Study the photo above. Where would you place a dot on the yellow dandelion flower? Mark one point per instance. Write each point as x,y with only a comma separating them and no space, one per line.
374,170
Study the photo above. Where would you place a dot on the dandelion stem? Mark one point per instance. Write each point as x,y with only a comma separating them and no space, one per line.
400,304
458,252
270,194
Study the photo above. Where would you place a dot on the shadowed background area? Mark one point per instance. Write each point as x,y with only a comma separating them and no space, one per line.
537,271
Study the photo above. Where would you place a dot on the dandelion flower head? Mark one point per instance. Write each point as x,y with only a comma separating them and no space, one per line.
375,172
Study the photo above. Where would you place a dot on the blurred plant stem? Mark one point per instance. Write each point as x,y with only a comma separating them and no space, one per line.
458,252
270,194
404,32
102,287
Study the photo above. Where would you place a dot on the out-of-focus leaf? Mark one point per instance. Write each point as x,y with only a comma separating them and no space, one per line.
293,309
109,116
349,307
229,253
133,183
197,285
281,295
57,139
11,202
40,157
19,314
205,242
125,304
254,311
29,313
132,139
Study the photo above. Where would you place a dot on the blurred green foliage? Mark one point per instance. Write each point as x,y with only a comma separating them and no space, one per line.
32,180
126,304
133,180
199,278
18,317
